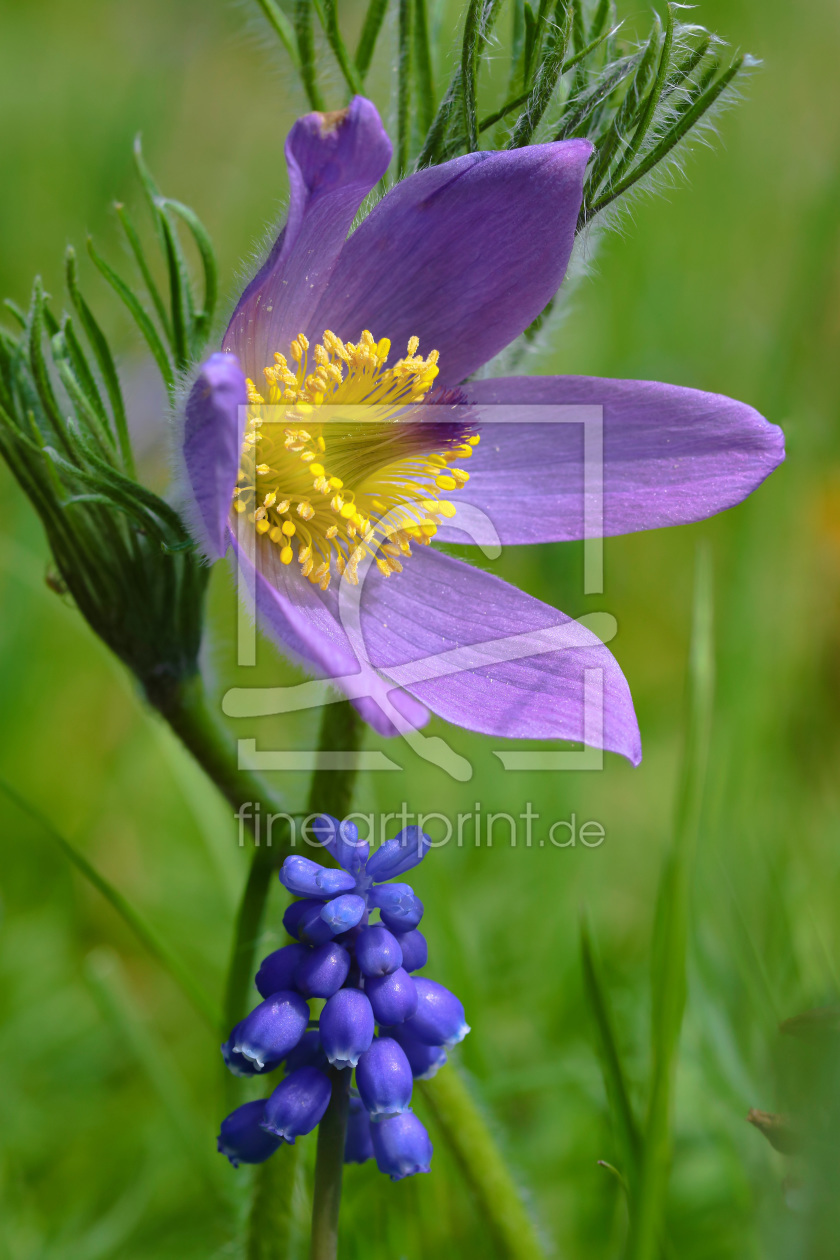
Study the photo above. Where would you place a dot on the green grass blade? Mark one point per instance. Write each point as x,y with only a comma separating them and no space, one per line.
370,33
423,76
110,985
329,15
404,87
306,53
627,1131
468,1137
673,136
282,28
144,932
469,72
668,968
136,247
203,319
141,319
104,358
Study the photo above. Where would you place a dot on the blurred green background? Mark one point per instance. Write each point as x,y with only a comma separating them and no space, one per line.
111,1091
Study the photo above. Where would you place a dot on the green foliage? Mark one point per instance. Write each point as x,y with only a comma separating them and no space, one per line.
121,551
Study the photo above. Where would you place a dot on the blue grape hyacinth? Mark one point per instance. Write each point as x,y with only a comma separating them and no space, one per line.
379,1019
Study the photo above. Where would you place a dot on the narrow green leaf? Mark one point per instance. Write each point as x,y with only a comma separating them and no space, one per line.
180,300
306,53
668,966
370,33
469,71
530,41
649,108
578,26
573,122
150,188
551,67
423,67
95,422
433,144
403,87
37,361
628,1136
282,28
20,315
672,137
601,19
110,985
469,1138
144,932
83,373
104,358
203,319
139,253
616,136
141,319
328,13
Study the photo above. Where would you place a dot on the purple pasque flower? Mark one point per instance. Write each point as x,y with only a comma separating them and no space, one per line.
452,265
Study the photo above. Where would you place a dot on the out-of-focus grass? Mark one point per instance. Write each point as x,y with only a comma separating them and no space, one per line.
727,283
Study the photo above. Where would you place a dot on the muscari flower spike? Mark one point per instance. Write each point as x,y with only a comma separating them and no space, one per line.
378,1019
449,268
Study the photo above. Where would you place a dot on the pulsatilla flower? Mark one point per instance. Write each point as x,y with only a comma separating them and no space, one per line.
341,425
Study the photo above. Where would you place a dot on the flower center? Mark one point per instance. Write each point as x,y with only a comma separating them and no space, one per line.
337,461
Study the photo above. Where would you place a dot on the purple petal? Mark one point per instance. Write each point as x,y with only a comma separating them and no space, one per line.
484,655
334,161
670,456
463,255
302,622
214,425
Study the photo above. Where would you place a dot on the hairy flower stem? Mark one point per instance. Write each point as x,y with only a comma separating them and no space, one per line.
469,1138
329,1166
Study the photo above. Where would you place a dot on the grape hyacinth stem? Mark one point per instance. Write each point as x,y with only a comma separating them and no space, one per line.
329,1167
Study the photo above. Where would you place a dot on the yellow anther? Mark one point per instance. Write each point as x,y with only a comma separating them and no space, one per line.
347,510
263,526
238,505
286,555
262,470
322,446
331,531
474,440
446,508
337,504
446,483
275,534
383,349
383,567
317,470
288,528
297,350
335,483
282,507
413,344
305,510
269,499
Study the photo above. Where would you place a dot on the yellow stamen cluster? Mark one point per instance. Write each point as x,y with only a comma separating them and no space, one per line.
329,453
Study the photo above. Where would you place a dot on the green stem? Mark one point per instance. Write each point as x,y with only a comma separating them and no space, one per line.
469,1138
329,1166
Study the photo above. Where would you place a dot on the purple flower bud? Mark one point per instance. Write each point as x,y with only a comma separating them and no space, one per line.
401,1145
277,971
384,1079
272,1029
393,998
341,840
358,1146
323,971
313,929
377,951
306,878
399,855
346,1027
237,1063
297,912
439,1019
297,1104
399,908
242,1139
307,1053
343,913
415,951
425,1060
